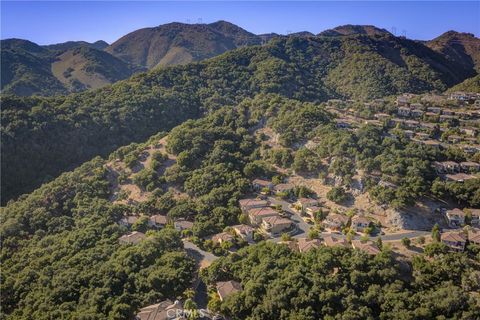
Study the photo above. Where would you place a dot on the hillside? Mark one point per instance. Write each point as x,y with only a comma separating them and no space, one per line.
29,69
81,126
469,85
84,68
178,43
65,235
347,30
461,48
99,45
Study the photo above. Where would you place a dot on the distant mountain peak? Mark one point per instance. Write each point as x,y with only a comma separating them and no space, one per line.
350,29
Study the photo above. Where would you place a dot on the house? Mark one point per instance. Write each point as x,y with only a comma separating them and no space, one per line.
474,217
128,220
455,240
446,167
312,211
435,110
283,188
459,177
474,236
227,288
276,224
454,139
409,133
432,143
257,214
381,116
335,221
411,124
157,221
368,247
448,112
455,217
360,223
222,237
445,118
165,310
304,203
133,238
247,204
423,136
416,113
243,231
472,132
183,224
469,166
403,101
403,111
305,245
330,241
259,184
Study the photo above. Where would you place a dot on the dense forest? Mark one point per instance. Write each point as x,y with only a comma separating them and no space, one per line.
341,283
42,137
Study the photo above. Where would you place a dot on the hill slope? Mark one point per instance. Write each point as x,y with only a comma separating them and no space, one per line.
80,126
99,45
178,43
461,48
349,29
30,69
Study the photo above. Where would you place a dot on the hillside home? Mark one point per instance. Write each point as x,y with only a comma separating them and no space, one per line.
411,124
368,247
257,214
446,167
403,101
448,112
128,220
449,119
474,217
382,116
305,245
360,223
435,110
247,204
330,241
183,224
312,211
474,236
469,166
227,288
343,123
416,113
422,136
165,310
132,238
432,143
259,184
157,221
283,188
403,111
303,203
455,240
455,217
454,139
275,225
244,231
471,132
409,133
335,222
222,237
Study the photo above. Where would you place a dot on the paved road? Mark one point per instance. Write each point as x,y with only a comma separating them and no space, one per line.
198,254
302,226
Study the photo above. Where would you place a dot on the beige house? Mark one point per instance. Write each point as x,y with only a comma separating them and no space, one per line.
368,247
222,237
132,238
305,245
459,177
259,184
474,217
183,224
256,215
127,221
276,224
455,217
330,241
157,221
360,223
227,288
304,203
455,240
244,231
474,236
165,310
247,204
335,221
470,166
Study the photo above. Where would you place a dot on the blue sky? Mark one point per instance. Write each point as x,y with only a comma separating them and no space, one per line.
59,21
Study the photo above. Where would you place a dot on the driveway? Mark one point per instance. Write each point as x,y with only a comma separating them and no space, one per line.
201,257
302,226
